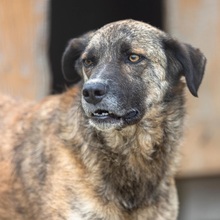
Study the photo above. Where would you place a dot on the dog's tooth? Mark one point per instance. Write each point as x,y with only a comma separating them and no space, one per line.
99,114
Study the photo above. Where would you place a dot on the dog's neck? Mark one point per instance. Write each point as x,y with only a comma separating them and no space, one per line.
132,163
135,160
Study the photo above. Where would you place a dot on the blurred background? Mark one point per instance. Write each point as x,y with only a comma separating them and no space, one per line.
33,35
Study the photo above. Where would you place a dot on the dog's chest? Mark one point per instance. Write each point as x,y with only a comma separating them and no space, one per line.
93,210
110,215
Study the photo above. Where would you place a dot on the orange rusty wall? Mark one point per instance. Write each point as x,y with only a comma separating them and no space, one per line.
198,22
24,70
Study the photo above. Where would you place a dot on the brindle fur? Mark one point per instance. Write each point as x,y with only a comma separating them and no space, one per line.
58,163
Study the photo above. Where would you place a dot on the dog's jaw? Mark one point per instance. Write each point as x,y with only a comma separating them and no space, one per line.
105,120
106,126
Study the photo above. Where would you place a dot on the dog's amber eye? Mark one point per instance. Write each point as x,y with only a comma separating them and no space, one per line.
134,58
87,62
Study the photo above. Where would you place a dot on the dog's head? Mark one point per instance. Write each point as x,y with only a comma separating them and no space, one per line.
127,66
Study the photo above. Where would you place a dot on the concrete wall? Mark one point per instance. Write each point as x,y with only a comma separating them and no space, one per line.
198,22
199,199
24,69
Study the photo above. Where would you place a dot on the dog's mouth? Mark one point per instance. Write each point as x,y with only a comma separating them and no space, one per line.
109,118
104,114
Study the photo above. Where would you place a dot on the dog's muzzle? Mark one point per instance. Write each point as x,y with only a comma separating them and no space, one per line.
104,107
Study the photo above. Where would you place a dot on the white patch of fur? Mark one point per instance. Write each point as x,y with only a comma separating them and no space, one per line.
74,216
85,77
106,126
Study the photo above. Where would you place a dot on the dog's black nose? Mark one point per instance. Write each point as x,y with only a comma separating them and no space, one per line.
94,92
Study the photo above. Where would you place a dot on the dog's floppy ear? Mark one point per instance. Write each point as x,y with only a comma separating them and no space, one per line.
74,49
192,63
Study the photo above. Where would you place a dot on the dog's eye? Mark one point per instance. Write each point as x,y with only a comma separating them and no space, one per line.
134,58
87,62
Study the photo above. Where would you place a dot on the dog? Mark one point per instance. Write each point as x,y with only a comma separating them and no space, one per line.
107,148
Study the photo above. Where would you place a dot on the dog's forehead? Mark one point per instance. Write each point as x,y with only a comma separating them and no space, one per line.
138,35
134,32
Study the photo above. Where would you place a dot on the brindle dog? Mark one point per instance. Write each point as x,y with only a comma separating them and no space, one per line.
108,147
